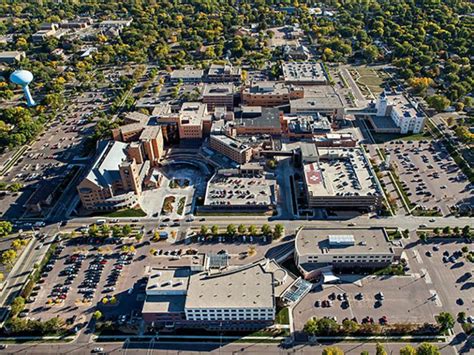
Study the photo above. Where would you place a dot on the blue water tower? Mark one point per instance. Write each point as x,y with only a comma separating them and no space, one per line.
23,78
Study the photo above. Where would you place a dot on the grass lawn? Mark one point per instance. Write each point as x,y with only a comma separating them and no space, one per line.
283,316
131,212
181,202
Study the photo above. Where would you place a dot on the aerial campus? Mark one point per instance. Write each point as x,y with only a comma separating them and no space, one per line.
253,177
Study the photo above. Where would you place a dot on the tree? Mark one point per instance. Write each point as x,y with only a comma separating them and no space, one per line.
437,231
332,350
365,352
427,349
97,315
466,230
116,231
266,230
105,230
438,102
138,237
311,327
380,350
17,305
445,320
93,231
278,232
350,326
204,229
327,326
241,229
252,229
408,350
215,230
2,277
8,257
126,230
153,251
447,230
5,228
231,230
457,230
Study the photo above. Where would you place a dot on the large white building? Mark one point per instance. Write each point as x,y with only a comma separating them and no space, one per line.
213,295
403,114
319,250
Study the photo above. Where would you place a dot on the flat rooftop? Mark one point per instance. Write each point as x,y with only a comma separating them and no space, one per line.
218,89
246,287
231,142
304,72
187,73
318,97
226,188
315,241
164,281
339,172
164,304
271,88
269,117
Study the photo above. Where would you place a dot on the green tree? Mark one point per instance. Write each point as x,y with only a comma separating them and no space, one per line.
447,230
252,229
408,350
466,230
445,320
438,102
349,326
204,229
278,232
17,305
457,230
116,231
332,350
138,237
311,327
266,230
8,257
215,230
126,230
93,231
427,349
97,315
105,230
380,350
437,231
5,228
231,230
327,326
241,229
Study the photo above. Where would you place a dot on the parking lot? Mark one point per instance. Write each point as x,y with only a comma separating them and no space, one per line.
403,299
85,270
225,190
430,176
49,156
448,271
439,279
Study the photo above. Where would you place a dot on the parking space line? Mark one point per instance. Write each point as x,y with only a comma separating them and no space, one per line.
435,298
417,256
426,276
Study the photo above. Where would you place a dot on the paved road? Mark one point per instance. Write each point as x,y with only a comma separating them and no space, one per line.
199,348
21,271
404,222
